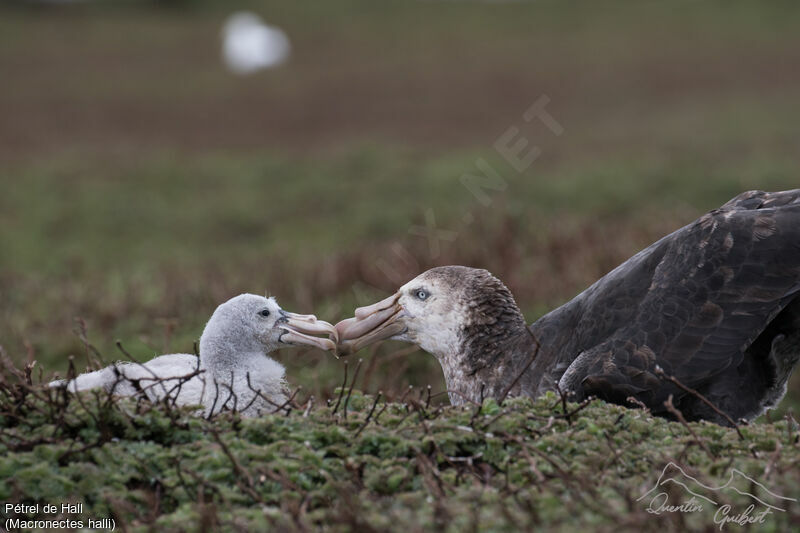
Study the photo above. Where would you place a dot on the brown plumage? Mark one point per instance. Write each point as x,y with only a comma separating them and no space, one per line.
714,305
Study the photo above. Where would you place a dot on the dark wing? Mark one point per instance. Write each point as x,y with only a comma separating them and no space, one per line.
698,300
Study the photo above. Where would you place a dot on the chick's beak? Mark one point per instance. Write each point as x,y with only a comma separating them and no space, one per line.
300,329
370,324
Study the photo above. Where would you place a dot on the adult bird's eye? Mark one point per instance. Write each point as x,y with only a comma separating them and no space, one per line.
264,312
422,294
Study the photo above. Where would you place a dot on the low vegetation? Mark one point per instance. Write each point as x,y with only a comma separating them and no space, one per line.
361,463
141,185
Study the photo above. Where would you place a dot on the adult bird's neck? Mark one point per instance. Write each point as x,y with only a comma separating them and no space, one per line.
510,358
491,362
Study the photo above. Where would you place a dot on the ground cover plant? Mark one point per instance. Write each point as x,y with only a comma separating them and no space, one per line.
361,462
141,185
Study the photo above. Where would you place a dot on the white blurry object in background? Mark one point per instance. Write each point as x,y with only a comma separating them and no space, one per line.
249,45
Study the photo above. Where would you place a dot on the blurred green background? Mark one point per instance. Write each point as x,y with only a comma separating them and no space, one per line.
142,183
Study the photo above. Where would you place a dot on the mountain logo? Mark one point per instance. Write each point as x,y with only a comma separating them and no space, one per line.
701,497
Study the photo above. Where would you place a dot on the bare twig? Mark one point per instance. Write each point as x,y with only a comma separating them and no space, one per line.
672,379
309,406
638,403
288,401
82,332
674,410
522,371
352,384
241,474
369,415
457,393
341,390
276,405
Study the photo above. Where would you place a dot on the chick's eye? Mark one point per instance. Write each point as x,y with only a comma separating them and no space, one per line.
422,294
264,312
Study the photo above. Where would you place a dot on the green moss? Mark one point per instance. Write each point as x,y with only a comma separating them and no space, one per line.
516,465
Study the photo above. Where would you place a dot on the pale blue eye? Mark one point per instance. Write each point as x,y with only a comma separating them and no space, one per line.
422,294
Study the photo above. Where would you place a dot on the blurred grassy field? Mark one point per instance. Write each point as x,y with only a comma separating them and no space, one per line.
141,184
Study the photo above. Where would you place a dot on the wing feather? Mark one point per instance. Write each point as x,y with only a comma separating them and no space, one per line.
717,285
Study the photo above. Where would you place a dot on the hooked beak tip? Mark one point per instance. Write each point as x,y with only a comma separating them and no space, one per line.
302,329
363,312
373,323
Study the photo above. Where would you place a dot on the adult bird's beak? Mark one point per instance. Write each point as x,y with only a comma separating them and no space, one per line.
300,329
372,323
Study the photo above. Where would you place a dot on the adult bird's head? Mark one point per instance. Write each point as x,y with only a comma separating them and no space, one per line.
452,312
253,323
